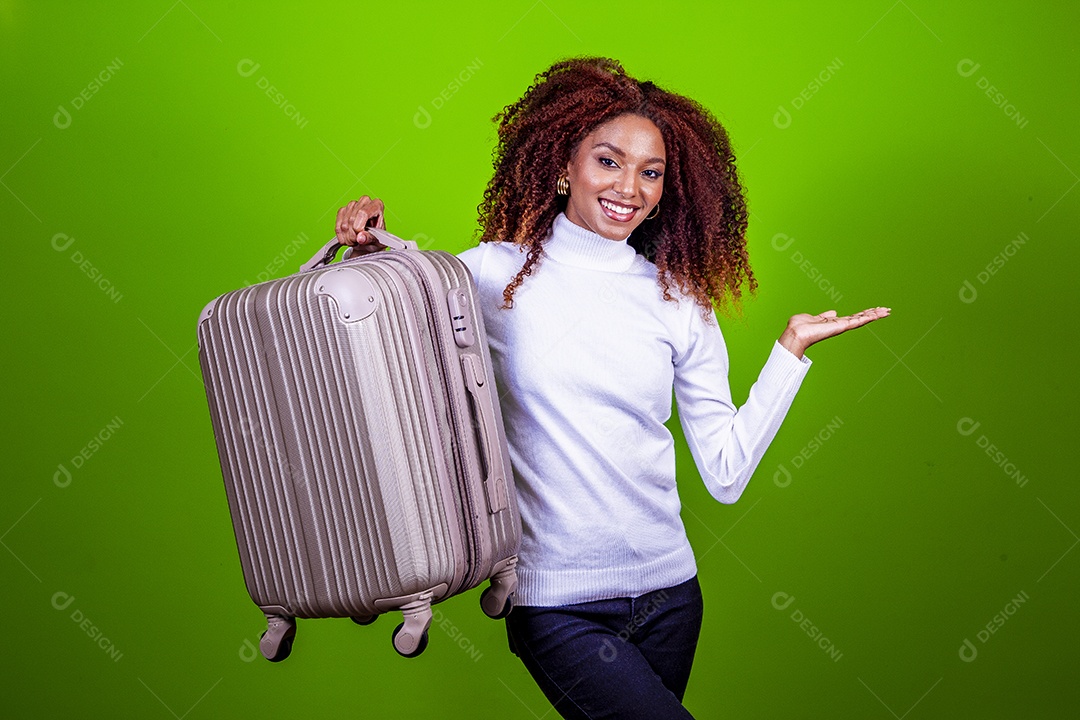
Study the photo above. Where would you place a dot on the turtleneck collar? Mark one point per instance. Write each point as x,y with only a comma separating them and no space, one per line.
574,245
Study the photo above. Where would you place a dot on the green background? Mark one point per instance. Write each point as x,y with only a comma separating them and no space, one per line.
898,180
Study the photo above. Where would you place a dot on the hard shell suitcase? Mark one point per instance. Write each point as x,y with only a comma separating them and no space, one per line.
361,444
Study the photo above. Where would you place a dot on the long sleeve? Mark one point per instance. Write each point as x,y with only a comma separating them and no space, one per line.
726,442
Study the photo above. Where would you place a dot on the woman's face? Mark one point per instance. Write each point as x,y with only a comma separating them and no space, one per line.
616,176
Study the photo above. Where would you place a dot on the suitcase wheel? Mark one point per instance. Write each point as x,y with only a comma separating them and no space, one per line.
411,637
497,600
406,643
282,652
276,643
364,619
494,606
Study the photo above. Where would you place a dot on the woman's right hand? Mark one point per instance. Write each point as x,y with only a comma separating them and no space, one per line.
354,217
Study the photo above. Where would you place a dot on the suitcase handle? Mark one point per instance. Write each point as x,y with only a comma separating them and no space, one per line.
495,482
326,254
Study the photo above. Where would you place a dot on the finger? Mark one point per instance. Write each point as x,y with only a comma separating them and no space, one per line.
375,220
369,210
359,223
376,209
340,225
367,217
355,211
367,238
348,234
360,219
873,313
862,318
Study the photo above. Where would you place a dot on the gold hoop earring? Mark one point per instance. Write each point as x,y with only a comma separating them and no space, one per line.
654,213
562,187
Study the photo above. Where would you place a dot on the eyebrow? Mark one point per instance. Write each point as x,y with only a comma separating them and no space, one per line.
620,153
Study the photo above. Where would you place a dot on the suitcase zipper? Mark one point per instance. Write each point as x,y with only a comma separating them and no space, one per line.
472,565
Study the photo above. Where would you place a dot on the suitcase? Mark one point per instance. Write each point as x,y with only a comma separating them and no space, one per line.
360,439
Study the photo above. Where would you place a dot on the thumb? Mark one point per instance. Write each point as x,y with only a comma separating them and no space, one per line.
828,314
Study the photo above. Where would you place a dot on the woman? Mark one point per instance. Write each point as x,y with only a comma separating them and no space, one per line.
598,300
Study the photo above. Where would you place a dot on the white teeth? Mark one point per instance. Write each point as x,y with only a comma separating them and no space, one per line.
620,209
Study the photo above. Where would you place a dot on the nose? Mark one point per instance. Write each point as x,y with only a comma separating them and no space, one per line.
626,184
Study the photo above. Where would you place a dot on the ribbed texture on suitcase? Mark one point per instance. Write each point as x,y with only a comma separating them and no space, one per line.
350,478
327,530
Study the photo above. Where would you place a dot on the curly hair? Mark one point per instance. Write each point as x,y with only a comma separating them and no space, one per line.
698,242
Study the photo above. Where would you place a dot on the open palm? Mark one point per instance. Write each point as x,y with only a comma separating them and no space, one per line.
804,330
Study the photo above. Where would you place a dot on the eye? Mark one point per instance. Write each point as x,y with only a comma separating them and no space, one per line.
655,174
606,160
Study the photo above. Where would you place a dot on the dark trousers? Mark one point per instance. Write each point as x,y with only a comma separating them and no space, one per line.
619,658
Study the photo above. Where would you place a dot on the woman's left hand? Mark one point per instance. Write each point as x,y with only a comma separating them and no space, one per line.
804,330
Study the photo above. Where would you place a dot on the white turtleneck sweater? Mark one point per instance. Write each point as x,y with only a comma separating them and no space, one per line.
585,363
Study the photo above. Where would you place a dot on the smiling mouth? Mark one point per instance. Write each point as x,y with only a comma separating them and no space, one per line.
616,211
